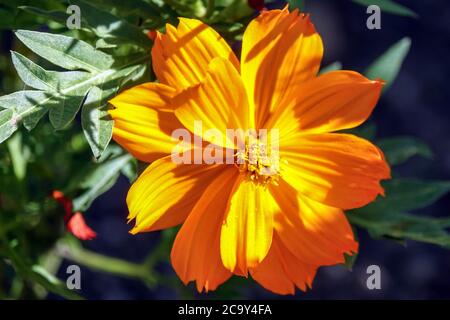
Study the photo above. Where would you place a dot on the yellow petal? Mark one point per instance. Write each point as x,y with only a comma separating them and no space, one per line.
340,170
315,233
218,103
281,271
246,234
196,251
144,121
165,193
334,101
280,50
181,56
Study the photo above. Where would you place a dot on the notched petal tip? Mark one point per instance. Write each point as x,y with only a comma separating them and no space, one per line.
283,41
181,55
281,272
379,83
135,230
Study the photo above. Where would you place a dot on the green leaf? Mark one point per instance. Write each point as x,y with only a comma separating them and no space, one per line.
37,77
110,27
11,18
130,170
137,7
64,91
296,4
400,149
387,217
332,67
183,9
65,110
53,15
387,66
141,8
27,106
100,180
67,96
389,6
407,194
229,13
96,123
8,123
66,52
367,131
95,120
403,226
6,19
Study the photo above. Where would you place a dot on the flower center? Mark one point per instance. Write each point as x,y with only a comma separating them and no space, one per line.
259,162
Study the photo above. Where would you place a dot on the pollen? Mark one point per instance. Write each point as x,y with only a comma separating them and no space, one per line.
259,162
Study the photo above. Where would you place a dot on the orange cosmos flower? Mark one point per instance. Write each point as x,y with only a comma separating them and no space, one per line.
235,218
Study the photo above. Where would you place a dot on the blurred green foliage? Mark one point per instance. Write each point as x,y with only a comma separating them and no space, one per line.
389,6
70,75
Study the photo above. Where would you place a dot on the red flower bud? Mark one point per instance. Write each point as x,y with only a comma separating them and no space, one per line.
75,223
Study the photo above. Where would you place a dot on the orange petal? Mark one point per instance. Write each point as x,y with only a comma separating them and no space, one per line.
181,56
334,101
280,272
165,193
219,102
280,50
196,250
144,121
315,233
340,170
246,234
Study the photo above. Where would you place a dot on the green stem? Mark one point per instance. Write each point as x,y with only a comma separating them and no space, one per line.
210,8
104,263
37,274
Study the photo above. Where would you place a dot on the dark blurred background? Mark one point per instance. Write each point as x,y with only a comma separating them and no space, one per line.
417,104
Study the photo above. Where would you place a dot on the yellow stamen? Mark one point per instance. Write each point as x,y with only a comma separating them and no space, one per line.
258,162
